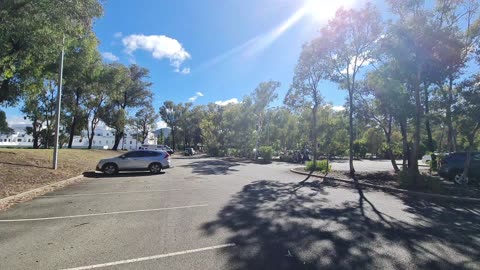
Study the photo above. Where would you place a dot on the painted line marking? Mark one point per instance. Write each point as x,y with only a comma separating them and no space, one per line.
105,214
155,257
113,193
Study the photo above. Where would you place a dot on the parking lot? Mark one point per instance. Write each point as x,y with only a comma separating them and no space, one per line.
210,213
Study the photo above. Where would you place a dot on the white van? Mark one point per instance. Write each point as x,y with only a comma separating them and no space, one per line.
155,147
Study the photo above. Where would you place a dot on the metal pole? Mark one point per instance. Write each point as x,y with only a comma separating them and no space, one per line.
59,104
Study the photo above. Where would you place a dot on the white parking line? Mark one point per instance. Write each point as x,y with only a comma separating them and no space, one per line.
113,193
155,257
104,214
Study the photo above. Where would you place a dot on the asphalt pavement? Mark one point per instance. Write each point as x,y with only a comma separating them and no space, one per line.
210,213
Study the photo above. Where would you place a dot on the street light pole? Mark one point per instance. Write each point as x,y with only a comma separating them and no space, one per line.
59,104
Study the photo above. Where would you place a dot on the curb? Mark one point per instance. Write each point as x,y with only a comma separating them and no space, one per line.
415,193
10,201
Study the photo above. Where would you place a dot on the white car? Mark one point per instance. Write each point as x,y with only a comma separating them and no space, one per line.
137,160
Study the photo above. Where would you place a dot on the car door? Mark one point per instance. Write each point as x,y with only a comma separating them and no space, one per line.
131,160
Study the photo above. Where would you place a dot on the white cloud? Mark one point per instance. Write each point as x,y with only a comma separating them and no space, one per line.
161,47
338,108
226,102
197,95
118,35
183,71
110,56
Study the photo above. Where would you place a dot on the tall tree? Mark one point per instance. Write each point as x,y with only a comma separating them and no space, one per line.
31,33
305,90
467,112
350,41
132,89
170,114
144,121
81,75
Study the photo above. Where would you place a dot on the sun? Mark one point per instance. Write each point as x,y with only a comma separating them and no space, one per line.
323,10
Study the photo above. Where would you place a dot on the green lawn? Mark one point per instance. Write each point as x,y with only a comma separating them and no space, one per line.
25,169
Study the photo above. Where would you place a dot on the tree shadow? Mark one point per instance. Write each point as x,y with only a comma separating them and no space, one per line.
93,174
275,225
212,167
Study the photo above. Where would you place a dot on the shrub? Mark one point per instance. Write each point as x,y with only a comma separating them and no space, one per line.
321,165
266,152
422,183
213,151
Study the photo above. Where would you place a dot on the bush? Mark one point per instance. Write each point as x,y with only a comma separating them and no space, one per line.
265,152
422,183
321,165
213,151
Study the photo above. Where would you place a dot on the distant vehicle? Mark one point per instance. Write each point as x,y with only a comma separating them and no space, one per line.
452,165
189,151
294,156
159,147
137,160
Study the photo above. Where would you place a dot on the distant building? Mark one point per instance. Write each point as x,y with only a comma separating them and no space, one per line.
104,139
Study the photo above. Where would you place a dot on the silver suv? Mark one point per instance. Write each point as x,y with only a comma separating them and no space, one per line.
154,161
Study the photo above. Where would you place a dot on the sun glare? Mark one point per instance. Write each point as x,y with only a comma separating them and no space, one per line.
322,10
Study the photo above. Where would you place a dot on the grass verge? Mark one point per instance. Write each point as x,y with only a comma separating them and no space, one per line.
25,169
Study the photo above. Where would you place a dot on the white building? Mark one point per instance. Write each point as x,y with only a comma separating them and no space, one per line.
104,139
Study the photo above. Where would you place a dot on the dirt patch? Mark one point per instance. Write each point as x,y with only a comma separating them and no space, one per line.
26,169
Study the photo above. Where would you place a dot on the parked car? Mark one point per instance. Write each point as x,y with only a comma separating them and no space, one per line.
294,156
189,151
136,160
452,165
158,147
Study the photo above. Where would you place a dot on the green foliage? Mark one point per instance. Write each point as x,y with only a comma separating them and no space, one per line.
31,33
360,148
320,165
266,153
422,183
3,123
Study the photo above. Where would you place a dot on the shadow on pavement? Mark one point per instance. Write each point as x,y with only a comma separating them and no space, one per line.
212,167
275,227
93,174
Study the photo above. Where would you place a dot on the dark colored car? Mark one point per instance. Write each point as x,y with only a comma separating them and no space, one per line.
452,165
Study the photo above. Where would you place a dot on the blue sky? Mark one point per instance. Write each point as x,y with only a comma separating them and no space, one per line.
221,48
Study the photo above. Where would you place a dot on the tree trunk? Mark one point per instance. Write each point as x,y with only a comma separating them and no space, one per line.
406,152
35,134
72,131
173,138
118,137
350,130
388,136
430,145
413,168
451,145
314,135
90,139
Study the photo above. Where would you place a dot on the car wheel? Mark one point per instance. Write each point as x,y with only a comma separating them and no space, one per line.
460,179
155,168
110,168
